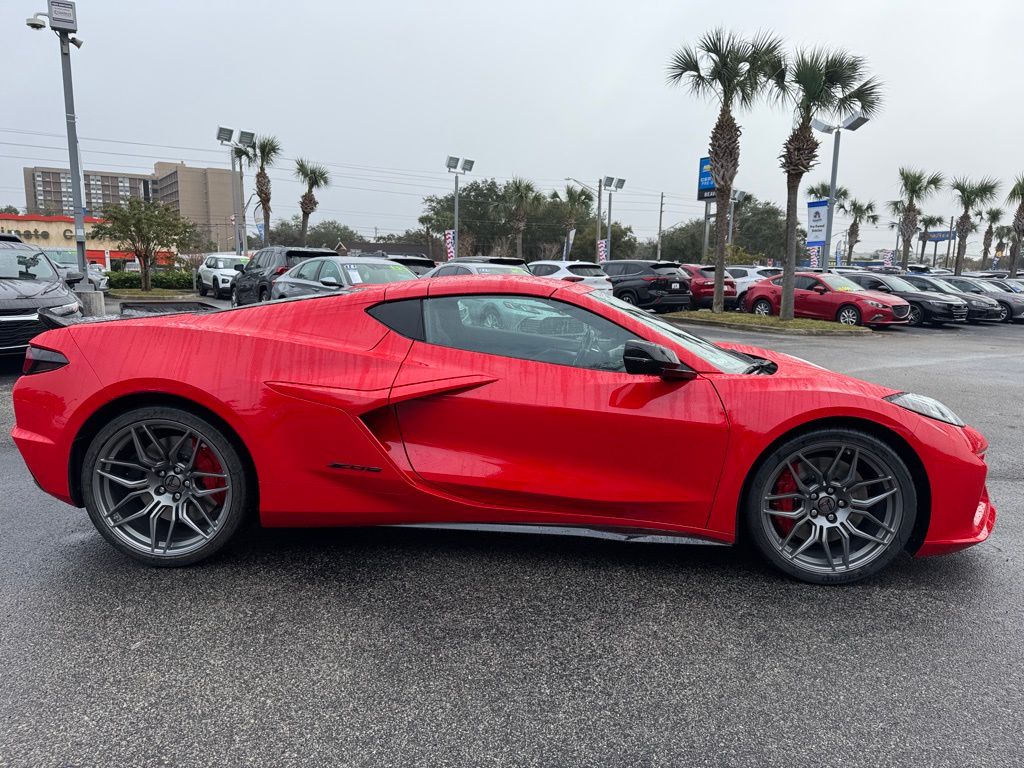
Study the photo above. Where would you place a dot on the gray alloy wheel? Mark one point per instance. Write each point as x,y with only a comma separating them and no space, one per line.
832,506
164,486
762,307
916,317
848,315
1005,315
628,297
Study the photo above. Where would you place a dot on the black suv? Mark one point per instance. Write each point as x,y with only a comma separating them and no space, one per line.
925,306
256,278
658,285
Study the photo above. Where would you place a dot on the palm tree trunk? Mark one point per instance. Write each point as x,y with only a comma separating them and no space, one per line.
263,193
1014,256
789,265
908,226
963,228
724,152
519,243
924,243
304,228
852,237
986,246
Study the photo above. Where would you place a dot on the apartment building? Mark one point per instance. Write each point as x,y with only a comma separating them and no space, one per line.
48,190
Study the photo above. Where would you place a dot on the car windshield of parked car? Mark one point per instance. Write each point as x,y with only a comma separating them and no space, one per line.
987,287
944,286
722,359
377,273
838,282
708,272
898,284
25,265
229,263
63,256
493,269
586,270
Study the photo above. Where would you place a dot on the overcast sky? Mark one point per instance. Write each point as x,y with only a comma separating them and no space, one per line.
385,90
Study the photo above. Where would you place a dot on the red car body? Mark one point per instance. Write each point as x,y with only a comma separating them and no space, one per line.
702,286
348,423
816,300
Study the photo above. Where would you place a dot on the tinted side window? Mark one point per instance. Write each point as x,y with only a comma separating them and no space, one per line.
612,269
330,269
525,328
308,270
404,317
210,261
804,283
858,279
445,271
541,270
737,272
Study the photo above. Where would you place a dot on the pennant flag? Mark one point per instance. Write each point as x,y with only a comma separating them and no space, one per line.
449,243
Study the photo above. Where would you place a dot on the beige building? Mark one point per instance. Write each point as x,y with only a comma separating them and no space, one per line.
202,195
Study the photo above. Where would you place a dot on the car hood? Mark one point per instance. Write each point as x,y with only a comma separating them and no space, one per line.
795,367
941,298
21,294
976,297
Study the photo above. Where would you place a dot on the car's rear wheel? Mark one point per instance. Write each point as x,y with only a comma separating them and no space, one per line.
628,296
741,302
164,486
916,316
1005,314
831,506
234,297
848,315
762,307
264,295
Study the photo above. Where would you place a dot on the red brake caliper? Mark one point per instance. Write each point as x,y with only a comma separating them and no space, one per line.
206,462
785,484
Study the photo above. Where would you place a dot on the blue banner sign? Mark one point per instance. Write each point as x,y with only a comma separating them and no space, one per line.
705,181
941,237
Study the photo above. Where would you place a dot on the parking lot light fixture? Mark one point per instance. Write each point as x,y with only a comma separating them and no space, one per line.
613,185
226,136
452,164
851,123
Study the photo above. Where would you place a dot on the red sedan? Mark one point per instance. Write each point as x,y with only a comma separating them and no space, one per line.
395,405
702,286
827,296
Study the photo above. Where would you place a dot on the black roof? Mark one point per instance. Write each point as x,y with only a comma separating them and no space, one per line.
389,249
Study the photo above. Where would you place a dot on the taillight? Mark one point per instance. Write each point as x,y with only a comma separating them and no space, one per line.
280,271
650,279
40,360
573,279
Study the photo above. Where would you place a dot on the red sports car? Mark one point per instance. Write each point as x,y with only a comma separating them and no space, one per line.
827,296
396,405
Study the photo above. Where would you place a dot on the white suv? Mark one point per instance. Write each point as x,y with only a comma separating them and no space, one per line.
217,272
747,276
586,272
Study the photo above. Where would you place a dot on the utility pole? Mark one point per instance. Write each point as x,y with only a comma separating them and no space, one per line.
598,223
661,213
949,243
707,230
455,234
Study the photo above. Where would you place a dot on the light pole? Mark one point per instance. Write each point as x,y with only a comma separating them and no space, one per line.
737,197
612,185
458,166
64,21
226,136
852,123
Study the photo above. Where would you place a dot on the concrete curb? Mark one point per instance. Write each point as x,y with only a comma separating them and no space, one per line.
683,321
116,295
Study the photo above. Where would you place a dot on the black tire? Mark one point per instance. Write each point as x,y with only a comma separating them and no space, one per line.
848,315
1005,313
202,287
853,442
916,316
629,297
264,295
741,302
762,307
234,297
233,514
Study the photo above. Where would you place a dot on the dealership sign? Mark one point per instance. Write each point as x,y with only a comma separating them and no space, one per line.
941,236
817,221
705,181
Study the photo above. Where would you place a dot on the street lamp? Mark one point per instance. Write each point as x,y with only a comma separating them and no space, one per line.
64,21
453,165
852,123
226,136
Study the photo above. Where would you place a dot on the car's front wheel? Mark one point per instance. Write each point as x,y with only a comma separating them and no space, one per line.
848,315
831,506
202,287
1005,314
164,486
916,316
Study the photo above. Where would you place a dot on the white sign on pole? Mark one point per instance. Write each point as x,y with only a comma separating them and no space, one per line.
817,221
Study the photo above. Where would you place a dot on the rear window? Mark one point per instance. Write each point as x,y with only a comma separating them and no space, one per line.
708,272
228,263
297,257
495,269
586,270
673,271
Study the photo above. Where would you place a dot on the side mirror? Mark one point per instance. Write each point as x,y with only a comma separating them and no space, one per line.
648,359
884,288
239,267
821,290
330,282
73,278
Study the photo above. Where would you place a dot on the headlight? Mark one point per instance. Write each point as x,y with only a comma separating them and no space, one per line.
878,304
65,309
926,406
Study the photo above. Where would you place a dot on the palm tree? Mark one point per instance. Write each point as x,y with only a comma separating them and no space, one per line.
993,216
821,83
314,176
573,205
519,199
261,155
732,71
926,223
821,190
1016,197
915,187
1003,234
858,211
971,195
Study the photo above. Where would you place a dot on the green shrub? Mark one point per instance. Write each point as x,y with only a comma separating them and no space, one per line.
125,280
170,278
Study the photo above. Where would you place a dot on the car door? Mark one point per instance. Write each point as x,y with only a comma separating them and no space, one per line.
204,271
538,425
301,281
806,303
245,283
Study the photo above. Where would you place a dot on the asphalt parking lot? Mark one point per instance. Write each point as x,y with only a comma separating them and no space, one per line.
408,647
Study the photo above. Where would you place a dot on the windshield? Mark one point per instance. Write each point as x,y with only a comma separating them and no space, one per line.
899,284
377,273
499,270
987,286
229,263
725,361
63,257
23,264
944,286
838,282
